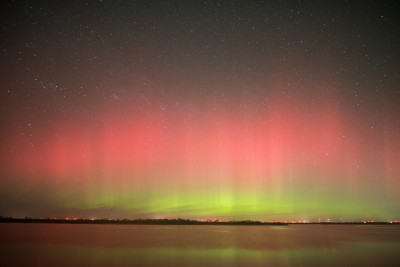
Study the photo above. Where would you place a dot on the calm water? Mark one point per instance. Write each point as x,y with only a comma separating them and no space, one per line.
147,245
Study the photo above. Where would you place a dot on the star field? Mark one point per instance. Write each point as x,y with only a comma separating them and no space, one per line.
200,109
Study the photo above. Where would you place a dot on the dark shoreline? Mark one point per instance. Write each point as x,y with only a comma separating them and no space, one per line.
176,222
136,221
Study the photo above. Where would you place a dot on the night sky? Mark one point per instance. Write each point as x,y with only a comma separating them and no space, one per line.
265,110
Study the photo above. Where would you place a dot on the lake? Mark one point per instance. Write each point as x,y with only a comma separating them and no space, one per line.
197,245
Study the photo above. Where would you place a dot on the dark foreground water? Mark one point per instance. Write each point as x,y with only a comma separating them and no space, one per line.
184,245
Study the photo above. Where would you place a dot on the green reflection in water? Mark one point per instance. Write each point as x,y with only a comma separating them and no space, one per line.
370,254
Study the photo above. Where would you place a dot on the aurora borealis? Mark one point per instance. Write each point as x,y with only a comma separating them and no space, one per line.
267,110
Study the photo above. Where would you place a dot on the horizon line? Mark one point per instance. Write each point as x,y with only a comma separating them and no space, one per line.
182,221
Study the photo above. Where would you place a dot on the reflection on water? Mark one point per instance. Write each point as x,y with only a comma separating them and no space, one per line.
105,245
